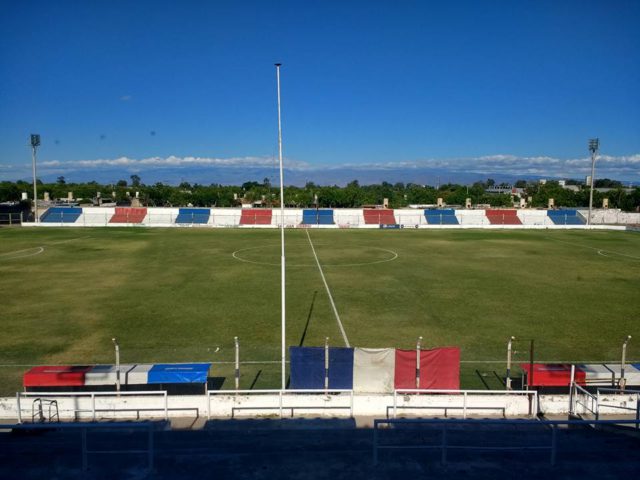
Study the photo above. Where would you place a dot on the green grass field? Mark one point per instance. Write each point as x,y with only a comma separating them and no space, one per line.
178,294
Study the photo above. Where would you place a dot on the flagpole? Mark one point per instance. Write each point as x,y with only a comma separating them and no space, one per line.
282,257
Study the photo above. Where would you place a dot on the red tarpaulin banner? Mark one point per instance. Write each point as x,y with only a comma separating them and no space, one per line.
56,376
552,375
439,369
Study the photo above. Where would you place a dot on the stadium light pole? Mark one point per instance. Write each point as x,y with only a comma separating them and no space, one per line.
117,348
594,145
35,143
624,360
282,257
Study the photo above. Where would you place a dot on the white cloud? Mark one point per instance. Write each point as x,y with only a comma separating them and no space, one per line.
619,167
516,165
170,161
126,98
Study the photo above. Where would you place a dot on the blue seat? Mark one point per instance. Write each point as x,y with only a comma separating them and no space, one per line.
193,215
565,217
61,215
441,216
311,216
307,367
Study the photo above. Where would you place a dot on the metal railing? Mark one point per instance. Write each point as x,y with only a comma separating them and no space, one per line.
37,410
626,392
86,427
11,218
579,397
464,406
56,396
445,446
283,395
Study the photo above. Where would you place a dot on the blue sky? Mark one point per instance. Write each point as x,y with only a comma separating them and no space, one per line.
155,88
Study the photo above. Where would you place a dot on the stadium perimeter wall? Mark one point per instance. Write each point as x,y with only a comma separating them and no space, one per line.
228,405
347,218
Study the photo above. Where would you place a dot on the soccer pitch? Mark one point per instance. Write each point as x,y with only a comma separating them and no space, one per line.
182,294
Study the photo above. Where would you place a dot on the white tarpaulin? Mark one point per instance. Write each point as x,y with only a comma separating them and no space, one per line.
631,374
598,374
374,370
106,375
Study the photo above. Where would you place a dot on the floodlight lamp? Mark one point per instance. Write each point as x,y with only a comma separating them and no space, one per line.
35,140
594,144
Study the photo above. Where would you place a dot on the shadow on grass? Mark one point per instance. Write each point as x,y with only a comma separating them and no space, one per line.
306,326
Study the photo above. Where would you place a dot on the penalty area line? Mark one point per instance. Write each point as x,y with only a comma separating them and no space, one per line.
326,286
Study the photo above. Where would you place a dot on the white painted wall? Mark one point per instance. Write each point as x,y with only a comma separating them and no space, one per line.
292,217
226,404
410,217
226,217
161,217
534,217
472,217
348,216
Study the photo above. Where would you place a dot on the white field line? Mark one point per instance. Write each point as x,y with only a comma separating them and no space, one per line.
600,251
324,280
68,240
16,254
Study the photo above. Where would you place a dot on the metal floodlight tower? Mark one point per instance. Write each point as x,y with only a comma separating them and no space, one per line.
282,258
35,143
117,347
594,146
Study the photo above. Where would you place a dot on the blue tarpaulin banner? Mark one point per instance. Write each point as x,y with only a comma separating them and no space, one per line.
179,373
308,368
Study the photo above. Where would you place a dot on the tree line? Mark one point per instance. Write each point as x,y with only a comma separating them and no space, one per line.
352,195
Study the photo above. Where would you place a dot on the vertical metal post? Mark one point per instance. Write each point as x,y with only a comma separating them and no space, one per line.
235,339
418,348
351,404
282,258
531,364
509,352
326,365
166,406
93,406
594,144
623,381
117,348
395,404
18,407
34,144
464,405
571,389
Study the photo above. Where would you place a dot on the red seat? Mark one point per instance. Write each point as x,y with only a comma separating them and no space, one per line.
379,217
503,217
128,215
256,216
